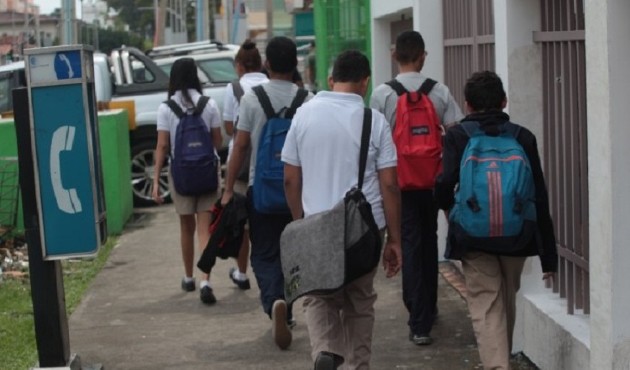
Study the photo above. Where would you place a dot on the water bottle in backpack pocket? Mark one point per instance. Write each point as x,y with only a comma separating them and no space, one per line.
194,165
268,189
495,205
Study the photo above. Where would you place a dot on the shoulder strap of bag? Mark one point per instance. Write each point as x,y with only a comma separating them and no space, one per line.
237,89
201,105
396,86
512,129
175,108
265,103
300,96
366,132
427,86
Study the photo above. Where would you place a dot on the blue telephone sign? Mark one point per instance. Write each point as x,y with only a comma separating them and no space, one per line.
65,150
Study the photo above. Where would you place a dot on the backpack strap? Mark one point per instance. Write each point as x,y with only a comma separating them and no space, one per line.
396,86
175,108
366,132
264,101
512,129
300,96
427,86
237,90
201,105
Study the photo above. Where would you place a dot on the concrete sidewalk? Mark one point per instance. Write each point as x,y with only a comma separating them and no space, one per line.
135,316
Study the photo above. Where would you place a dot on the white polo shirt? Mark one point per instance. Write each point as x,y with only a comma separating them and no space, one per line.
384,98
325,139
230,103
168,121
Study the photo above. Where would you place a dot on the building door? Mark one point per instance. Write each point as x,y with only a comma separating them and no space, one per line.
396,28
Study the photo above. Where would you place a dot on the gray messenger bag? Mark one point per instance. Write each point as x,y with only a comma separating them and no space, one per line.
323,252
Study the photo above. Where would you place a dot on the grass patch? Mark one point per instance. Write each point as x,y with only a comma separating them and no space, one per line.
17,328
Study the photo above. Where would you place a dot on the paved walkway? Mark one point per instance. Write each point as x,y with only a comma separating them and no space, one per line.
135,316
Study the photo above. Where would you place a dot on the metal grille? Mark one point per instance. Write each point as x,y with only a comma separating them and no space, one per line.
468,42
9,193
565,143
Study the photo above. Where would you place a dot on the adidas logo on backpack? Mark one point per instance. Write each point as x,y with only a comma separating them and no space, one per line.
495,203
194,165
418,137
268,189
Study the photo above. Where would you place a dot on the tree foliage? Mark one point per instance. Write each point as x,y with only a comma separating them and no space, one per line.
138,14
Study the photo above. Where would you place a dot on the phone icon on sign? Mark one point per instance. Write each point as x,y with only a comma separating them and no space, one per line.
67,199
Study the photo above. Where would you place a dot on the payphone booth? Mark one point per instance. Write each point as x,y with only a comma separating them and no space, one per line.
66,151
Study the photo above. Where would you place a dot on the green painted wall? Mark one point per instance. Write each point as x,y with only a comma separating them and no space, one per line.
114,140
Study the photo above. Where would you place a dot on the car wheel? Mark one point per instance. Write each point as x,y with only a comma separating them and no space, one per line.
142,168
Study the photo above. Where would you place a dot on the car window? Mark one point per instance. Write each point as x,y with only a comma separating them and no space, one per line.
202,76
141,74
218,70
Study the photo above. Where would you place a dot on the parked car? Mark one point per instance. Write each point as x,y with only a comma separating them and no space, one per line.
128,77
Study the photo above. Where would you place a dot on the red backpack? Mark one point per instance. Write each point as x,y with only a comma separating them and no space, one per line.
418,137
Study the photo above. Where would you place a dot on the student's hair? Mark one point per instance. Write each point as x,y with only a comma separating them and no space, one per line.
351,66
249,57
183,77
281,54
484,91
409,47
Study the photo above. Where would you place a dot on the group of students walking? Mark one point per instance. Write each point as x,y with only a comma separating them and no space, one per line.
323,131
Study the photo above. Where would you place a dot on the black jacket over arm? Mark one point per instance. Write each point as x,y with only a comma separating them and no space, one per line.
455,142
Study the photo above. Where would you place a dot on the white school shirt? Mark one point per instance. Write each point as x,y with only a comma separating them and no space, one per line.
325,140
384,99
231,104
168,121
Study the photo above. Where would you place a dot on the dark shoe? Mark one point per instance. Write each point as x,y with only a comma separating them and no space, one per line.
420,339
188,286
206,295
241,284
328,361
280,330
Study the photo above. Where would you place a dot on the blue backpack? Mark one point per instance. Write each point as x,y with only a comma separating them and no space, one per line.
194,166
268,189
495,203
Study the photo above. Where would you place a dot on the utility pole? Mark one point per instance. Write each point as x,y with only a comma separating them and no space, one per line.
269,19
68,15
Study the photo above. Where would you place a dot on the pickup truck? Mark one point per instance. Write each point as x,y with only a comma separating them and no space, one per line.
130,78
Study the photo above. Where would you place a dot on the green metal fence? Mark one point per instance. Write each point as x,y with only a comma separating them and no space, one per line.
339,25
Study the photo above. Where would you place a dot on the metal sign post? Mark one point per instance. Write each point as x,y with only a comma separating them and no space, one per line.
61,182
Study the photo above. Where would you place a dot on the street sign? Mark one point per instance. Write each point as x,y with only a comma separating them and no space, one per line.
65,150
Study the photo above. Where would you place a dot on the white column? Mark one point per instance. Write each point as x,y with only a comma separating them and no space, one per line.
428,20
608,79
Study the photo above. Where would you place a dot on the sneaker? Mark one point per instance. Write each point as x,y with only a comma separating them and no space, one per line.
206,295
328,361
280,330
420,339
291,323
241,284
188,286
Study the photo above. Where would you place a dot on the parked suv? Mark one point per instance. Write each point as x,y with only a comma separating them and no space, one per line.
130,78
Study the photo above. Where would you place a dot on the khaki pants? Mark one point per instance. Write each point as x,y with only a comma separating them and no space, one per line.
342,322
492,282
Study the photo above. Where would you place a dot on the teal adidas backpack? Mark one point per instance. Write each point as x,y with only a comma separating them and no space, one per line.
495,203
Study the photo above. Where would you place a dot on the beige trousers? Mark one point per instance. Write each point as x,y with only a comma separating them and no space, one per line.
342,322
492,282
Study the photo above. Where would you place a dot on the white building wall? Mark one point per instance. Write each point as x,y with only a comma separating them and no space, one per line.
608,79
